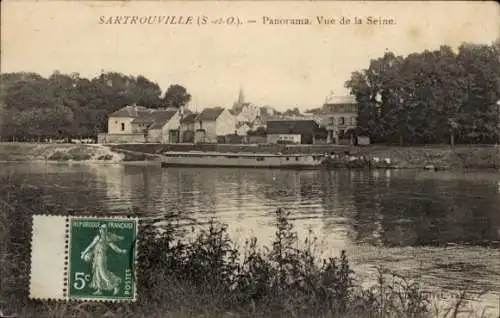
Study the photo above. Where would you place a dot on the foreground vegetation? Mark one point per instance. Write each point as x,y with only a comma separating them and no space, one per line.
182,274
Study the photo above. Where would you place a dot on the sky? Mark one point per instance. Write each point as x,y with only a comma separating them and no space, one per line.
284,66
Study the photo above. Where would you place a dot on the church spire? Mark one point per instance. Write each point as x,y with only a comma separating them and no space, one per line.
241,97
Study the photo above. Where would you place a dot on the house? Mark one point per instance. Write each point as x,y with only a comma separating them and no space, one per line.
213,124
138,124
164,127
248,113
120,122
339,115
292,131
187,127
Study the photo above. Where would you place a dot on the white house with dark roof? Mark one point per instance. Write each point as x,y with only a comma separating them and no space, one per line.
136,124
120,122
212,123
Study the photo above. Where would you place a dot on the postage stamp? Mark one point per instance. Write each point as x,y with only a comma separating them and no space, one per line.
83,258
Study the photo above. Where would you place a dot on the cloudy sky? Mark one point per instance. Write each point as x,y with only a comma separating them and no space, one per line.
283,66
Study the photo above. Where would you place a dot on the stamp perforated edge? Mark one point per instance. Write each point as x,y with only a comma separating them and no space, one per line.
136,245
33,262
67,219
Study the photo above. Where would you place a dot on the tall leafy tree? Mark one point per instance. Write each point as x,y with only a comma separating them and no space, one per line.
66,105
431,96
176,96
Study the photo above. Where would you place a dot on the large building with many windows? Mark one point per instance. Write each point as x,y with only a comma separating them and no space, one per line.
339,117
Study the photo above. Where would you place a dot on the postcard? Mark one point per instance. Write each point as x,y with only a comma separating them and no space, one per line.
250,158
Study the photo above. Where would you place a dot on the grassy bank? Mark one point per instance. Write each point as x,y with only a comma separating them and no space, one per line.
17,151
68,152
207,275
440,156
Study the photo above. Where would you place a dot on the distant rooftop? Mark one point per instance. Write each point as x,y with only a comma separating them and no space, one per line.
132,111
156,118
291,126
210,114
341,100
161,117
189,118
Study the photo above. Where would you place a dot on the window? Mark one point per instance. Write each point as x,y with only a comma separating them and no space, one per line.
260,159
123,126
296,158
342,121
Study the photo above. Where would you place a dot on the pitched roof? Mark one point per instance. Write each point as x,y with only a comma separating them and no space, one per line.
210,114
189,118
291,126
142,120
161,117
350,99
156,118
133,111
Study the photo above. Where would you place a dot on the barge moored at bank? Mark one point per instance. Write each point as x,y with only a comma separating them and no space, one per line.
240,160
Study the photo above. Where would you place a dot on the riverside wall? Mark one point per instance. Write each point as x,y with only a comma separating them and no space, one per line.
439,156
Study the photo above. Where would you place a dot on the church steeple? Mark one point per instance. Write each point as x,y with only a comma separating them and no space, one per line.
241,97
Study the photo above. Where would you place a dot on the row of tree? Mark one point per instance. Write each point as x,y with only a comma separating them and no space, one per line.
427,97
66,105
431,97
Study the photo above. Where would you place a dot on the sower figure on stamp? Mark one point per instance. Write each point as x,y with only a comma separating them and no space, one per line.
102,278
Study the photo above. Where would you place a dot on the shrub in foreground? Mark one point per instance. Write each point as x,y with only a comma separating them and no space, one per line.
208,275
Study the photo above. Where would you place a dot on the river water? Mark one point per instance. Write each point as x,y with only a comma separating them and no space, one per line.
440,228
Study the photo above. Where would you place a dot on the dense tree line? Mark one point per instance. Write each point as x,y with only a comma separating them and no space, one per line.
430,97
66,105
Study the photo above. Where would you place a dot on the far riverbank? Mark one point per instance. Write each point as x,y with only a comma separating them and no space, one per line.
438,157
442,157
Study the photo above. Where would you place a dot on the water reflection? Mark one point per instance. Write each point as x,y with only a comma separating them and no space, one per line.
424,211
443,227
379,208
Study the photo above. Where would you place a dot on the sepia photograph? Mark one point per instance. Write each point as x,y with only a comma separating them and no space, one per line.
250,159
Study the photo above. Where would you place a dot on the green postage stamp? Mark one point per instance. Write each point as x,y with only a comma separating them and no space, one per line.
83,258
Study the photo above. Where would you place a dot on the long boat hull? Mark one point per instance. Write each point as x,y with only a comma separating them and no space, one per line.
240,161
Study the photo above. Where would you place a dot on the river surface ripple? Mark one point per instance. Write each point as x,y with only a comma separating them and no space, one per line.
440,228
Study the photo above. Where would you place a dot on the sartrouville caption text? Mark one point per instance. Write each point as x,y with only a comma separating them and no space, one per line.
236,21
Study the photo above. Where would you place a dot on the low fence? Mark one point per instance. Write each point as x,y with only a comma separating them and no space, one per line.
104,138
